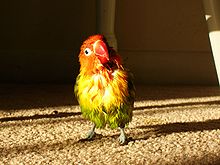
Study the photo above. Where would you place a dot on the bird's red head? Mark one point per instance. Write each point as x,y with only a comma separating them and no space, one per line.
94,49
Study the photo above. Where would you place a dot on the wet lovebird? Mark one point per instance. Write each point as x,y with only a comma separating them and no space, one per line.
104,88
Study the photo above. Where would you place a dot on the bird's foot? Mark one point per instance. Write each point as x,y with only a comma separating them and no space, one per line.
122,138
91,133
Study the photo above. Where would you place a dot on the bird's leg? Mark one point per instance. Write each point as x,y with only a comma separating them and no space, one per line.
122,138
91,133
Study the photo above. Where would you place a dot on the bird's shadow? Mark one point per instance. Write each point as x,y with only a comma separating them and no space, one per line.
158,130
95,137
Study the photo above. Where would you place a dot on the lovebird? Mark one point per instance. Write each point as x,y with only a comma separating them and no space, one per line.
104,88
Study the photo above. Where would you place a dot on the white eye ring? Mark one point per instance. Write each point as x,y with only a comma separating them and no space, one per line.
87,52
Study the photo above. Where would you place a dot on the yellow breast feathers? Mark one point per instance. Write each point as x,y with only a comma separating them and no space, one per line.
103,90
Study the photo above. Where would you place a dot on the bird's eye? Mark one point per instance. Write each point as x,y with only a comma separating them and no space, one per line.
87,52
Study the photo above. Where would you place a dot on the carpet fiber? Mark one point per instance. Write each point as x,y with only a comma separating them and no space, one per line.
42,124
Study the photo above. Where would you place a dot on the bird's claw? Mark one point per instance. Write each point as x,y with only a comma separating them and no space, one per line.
122,138
90,135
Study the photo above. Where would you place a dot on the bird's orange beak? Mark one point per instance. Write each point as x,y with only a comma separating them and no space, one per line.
101,51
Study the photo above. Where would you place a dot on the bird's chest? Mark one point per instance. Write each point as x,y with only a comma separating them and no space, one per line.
96,88
102,91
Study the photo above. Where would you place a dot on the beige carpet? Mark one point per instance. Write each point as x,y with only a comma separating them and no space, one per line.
42,124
